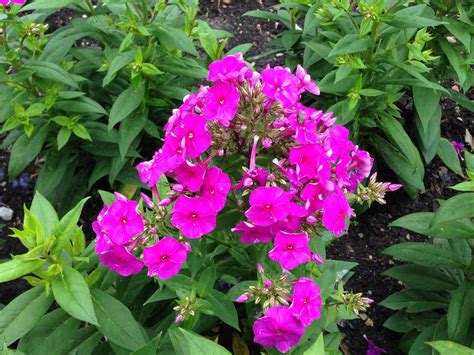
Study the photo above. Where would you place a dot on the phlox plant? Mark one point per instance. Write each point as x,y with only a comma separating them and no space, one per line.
244,159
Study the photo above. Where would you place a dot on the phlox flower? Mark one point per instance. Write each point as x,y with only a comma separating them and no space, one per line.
305,81
165,258
279,84
251,234
290,249
306,305
221,103
215,188
193,130
278,328
122,221
311,161
102,243
229,68
338,143
336,210
193,216
315,193
268,205
120,260
8,2
190,175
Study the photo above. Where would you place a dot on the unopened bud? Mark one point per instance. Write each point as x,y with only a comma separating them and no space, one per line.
243,298
311,219
166,202
148,201
178,188
267,143
220,152
267,283
120,197
248,182
317,259
260,268
179,318
153,231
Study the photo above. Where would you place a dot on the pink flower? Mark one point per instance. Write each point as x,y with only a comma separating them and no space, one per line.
119,259
314,194
268,205
193,216
215,188
372,348
102,242
165,258
190,175
244,297
307,301
310,161
8,2
339,143
290,250
278,327
251,234
193,129
122,221
279,84
229,68
336,210
458,147
221,103
305,81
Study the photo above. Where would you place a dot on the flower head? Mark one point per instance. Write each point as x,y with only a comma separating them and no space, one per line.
229,68
268,205
279,84
290,250
221,103
251,234
190,175
305,81
193,131
307,301
336,210
278,328
215,188
119,259
122,221
165,258
193,216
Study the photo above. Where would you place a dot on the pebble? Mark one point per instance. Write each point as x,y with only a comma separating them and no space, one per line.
6,213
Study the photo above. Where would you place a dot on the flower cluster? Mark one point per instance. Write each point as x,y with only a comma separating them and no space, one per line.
298,168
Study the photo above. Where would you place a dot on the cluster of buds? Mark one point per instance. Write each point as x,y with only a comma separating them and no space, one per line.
184,310
375,191
355,302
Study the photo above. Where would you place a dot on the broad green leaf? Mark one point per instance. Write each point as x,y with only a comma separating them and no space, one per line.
81,131
449,157
185,67
63,137
51,71
459,311
414,301
127,102
130,128
150,348
116,321
174,38
24,150
317,348
160,295
424,254
223,308
418,222
456,208
456,61
422,277
419,346
118,63
412,21
49,4
21,315
446,347
80,105
206,281
45,212
350,43
426,103
16,268
459,30
466,186
72,294
186,342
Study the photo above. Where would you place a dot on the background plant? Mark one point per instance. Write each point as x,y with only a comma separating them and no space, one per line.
368,55
86,97
435,309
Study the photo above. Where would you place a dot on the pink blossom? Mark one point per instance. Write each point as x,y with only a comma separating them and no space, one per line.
373,349
119,259
278,327
102,242
8,2
339,142
193,130
336,210
458,147
290,250
215,188
307,301
279,84
193,216
315,193
190,175
229,68
310,160
268,205
251,234
221,103
317,259
244,297
305,81
165,258
122,221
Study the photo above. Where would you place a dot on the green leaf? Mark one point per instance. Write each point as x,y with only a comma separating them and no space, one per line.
161,295
16,268
127,102
63,137
174,38
466,186
317,348
459,311
449,157
371,92
223,308
446,347
81,131
350,43
21,315
343,72
206,281
426,103
24,150
422,277
418,222
49,4
424,254
414,301
80,105
456,61
45,212
412,21
72,294
107,197
51,71
117,322
186,342
150,348
456,208
118,63
130,128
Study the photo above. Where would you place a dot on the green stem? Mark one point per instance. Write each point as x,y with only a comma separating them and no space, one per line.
145,12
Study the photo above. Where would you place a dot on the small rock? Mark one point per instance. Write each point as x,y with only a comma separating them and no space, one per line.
228,2
6,213
363,316
370,257
369,322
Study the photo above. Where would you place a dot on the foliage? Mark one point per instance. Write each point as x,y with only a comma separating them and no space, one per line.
369,54
435,309
87,97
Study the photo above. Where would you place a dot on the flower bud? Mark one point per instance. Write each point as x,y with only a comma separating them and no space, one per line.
178,188
179,318
148,201
248,182
120,197
267,283
243,298
311,219
317,259
220,152
153,231
165,202
267,143
260,268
